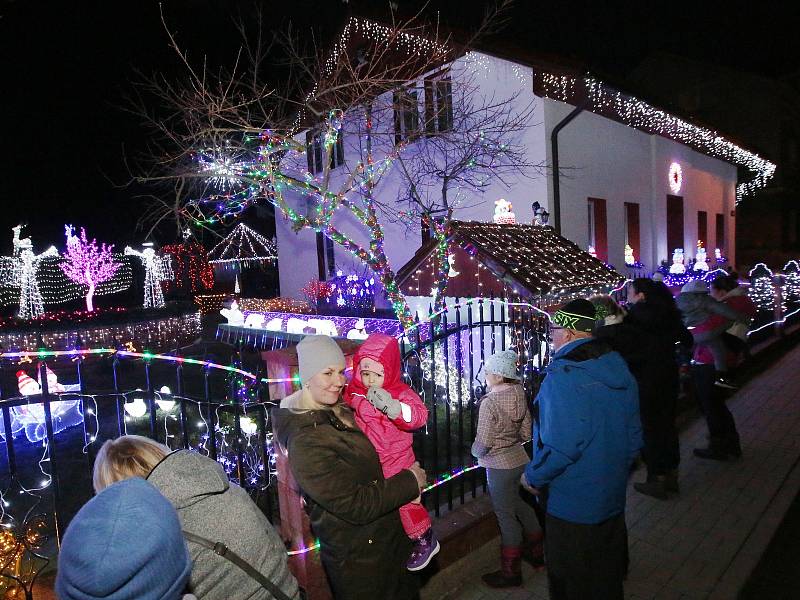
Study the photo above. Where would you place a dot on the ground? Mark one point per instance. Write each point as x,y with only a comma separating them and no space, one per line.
706,543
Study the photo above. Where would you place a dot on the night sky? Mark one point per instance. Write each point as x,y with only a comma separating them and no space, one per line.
67,66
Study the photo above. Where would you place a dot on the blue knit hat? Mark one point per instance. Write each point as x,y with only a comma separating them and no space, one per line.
124,543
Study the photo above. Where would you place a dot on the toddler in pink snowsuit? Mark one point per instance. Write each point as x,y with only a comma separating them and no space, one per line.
387,411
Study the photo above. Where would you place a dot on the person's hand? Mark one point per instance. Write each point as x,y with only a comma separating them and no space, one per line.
524,483
417,500
419,473
383,402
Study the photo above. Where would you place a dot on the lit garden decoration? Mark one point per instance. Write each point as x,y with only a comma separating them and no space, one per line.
157,269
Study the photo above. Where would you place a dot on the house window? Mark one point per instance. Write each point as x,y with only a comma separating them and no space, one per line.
326,261
702,227
719,237
315,151
674,223
438,105
598,227
632,227
406,115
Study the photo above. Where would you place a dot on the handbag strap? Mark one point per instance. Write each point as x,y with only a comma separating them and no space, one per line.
222,550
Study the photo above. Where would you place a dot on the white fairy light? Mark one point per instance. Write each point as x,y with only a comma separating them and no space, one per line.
631,111
156,270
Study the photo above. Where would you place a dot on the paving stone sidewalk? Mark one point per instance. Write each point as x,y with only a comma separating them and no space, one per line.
705,543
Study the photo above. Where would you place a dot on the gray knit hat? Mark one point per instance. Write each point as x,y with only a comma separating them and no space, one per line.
316,353
503,363
695,286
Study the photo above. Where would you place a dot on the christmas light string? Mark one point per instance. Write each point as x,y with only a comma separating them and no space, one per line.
639,114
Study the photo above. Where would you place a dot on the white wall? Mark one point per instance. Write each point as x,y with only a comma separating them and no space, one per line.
601,158
497,80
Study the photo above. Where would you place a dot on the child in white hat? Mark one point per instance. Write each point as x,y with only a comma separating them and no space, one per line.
504,424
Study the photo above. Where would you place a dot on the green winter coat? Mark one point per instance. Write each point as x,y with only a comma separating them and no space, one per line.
353,509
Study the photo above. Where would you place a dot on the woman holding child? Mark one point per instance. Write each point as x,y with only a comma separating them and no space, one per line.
353,507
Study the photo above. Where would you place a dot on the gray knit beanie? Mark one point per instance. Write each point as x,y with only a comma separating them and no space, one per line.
504,364
316,353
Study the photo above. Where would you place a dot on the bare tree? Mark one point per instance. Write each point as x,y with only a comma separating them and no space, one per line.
332,145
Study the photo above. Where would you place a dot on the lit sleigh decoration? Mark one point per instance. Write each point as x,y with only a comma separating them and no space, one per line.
30,418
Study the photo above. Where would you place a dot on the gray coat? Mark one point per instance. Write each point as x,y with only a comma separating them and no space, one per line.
211,507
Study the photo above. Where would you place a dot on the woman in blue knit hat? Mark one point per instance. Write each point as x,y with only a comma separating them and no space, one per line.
124,544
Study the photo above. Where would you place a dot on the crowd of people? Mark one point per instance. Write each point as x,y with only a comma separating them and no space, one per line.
168,524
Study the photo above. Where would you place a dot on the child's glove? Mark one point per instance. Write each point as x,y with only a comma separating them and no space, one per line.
383,401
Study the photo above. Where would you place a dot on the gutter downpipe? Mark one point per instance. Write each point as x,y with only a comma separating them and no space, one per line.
554,154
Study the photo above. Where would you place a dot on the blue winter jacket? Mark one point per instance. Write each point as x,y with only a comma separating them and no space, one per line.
587,434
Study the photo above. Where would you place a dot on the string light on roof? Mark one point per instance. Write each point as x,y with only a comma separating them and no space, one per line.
631,111
243,245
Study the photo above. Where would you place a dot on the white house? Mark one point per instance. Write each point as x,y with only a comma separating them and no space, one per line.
629,173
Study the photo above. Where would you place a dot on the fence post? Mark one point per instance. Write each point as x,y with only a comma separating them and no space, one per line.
51,450
9,438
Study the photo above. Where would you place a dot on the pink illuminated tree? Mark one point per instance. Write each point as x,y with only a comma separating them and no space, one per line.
87,264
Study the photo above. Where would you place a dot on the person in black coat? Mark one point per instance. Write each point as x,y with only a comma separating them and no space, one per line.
657,330
353,508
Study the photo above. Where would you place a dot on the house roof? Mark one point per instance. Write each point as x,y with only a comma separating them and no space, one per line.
566,81
532,260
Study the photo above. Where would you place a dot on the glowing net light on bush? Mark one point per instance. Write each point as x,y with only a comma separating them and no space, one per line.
761,291
791,283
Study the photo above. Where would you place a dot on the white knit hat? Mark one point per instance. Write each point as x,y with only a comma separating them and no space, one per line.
316,353
504,364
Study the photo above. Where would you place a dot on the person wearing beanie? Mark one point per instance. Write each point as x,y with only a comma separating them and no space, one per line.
124,544
207,503
353,507
586,436
504,425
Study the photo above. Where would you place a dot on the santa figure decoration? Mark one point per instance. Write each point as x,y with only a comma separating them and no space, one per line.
503,212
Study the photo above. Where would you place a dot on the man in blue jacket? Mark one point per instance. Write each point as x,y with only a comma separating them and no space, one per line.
586,437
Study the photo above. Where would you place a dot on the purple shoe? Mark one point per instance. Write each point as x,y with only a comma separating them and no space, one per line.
425,548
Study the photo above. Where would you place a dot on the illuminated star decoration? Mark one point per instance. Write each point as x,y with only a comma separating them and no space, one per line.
157,269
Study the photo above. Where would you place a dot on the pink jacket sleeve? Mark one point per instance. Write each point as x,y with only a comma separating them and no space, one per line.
419,412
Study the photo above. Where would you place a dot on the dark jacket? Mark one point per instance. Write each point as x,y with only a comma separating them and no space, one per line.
588,433
212,507
661,334
353,509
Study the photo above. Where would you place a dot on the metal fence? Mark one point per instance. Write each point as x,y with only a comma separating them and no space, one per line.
218,410
446,368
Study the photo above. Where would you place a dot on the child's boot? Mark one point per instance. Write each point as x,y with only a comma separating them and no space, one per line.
510,573
425,548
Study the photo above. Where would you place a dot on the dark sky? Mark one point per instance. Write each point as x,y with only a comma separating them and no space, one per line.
66,67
